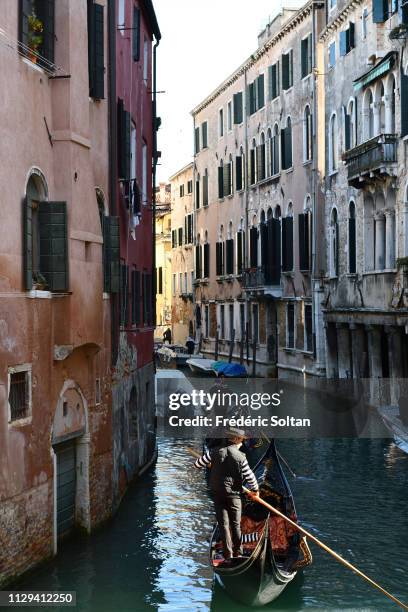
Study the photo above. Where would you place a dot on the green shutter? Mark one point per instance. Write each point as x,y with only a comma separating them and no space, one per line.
28,244
121,134
96,57
285,71
197,140
205,135
238,172
380,11
352,246
111,243
136,34
206,260
238,108
54,244
304,56
240,258
260,91
45,12
127,145
220,182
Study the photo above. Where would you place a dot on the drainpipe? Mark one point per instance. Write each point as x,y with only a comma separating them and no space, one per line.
194,288
155,158
246,198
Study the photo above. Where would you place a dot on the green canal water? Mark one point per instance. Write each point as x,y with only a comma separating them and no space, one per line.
350,493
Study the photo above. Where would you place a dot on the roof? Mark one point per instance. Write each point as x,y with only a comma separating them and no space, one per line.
186,167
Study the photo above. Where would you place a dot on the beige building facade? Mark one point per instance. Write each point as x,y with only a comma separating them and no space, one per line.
258,209
163,259
182,254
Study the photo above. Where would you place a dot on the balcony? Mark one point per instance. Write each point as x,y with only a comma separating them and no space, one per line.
373,159
256,281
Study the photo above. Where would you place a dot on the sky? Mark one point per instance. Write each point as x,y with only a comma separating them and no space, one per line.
203,42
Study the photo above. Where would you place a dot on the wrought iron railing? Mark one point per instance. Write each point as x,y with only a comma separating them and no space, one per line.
371,155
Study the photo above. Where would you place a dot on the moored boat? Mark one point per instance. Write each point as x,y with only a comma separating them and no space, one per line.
273,550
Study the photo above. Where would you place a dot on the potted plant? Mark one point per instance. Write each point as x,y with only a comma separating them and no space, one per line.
35,36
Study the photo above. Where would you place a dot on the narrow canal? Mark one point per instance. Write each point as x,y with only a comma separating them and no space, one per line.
351,493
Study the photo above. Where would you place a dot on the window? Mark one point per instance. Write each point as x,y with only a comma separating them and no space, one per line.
260,158
307,135
173,238
37,30
121,15
308,339
221,122
133,144
364,23
189,228
306,56
197,193
347,40
205,188
206,250
255,322
334,244
229,116
286,145
45,225
352,239
229,247
238,108
274,153
256,94
221,180
160,280
240,251
197,140
332,4
144,175
124,295
189,186
180,236
239,170
222,321
333,146
290,326
253,247
147,299
350,130
273,81
174,285
219,258
96,47
252,163
231,322
180,283
287,240
145,60
19,393
305,238
204,134
287,70
198,259
181,190
332,54
227,171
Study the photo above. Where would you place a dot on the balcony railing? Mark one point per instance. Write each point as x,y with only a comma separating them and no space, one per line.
258,278
372,158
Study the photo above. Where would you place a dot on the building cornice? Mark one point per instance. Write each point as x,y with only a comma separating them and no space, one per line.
183,169
288,27
339,20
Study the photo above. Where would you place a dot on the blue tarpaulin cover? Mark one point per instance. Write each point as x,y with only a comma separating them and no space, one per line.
229,369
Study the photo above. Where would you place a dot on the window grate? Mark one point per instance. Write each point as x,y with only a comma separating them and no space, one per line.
19,396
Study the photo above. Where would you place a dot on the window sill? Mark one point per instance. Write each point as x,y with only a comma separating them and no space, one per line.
305,272
40,294
306,77
21,422
352,275
378,272
221,279
290,273
288,170
307,162
333,172
33,66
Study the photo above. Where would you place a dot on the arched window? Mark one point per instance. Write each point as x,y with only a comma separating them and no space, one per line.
352,239
334,244
368,113
205,187
252,163
286,145
390,105
261,170
221,180
379,110
333,144
307,135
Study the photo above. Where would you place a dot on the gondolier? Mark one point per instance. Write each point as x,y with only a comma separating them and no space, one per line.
229,471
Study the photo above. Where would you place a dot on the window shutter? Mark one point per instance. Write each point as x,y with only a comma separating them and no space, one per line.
270,83
227,179
253,235
259,163
230,256
205,190
291,68
205,134
343,43
310,53
403,12
352,246
283,148
347,124
96,58
261,91
352,30
285,71
287,244
206,260
238,114
124,295
111,251
240,258
288,147
198,261
304,56
24,11
28,244
136,34
380,11
136,295
197,196
220,182
302,242
276,252
252,98
238,172
54,244
264,247
121,139
252,166
218,259
127,144
45,13
404,105
197,140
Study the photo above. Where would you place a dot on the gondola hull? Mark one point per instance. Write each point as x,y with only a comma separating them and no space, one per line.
258,581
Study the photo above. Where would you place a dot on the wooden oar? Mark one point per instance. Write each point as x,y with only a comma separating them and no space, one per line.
316,541
326,548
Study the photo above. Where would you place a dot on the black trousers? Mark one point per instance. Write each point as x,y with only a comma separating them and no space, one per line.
228,509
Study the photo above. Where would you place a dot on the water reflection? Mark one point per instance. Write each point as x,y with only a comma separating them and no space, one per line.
154,555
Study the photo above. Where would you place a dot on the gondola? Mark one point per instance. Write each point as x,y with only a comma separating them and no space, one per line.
273,550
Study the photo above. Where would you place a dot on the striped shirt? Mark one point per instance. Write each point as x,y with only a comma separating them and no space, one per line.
247,474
